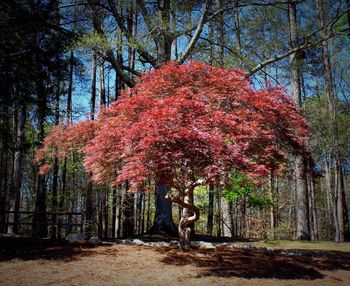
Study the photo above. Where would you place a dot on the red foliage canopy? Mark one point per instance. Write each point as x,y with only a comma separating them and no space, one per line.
182,123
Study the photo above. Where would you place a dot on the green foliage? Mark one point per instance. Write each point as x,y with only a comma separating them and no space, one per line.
93,41
241,186
282,231
317,112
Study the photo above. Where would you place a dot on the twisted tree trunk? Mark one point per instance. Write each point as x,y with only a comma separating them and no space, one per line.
190,214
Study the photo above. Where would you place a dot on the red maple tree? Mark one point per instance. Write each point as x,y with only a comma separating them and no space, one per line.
184,125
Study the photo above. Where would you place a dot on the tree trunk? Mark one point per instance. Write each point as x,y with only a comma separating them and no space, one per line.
119,213
93,87
243,209
218,214
70,89
40,220
114,212
89,205
238,32
55,165
102,83
220,33
15,198
272,207
331,98
226,230
185,229
148,223
143,214
210,210
303,232
128,211
189,215
163,219
4,161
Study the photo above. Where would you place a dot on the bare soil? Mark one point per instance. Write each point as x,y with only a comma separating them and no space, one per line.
144,265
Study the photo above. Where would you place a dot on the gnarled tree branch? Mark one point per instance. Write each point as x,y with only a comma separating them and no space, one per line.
196,211
196,34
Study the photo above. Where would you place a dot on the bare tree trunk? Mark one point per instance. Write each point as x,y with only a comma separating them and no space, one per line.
190,214
218,214
232,222
119,213
272,207
102,83
15,198
40,220
300,176
148,213
184,227
128,211
93,86
114,212
331,98
331,197
210,210
4,161
139,212
220,33
237,31
105,215
312,207
55,165
70,89
143,214
163,219
243,209
89,205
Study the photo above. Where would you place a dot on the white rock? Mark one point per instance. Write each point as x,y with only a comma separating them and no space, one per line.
94,240
206,245
174,243
138,242
160,244
75,237
127,242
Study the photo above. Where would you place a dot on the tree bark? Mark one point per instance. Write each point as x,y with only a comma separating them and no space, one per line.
55,164
210,210
21,116
190,214
220,33
89,204
128,212
102,83
238,31
163,219
331,99
302,218
40,220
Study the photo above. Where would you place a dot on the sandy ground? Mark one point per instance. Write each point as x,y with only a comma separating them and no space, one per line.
141,265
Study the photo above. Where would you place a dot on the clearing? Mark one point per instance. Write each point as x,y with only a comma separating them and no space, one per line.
115,264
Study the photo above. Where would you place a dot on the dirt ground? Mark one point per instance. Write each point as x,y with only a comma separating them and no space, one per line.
144,265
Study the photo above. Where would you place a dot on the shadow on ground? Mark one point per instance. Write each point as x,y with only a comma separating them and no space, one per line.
32,249
226,262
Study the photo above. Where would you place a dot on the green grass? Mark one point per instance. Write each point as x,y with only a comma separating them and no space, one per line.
305,245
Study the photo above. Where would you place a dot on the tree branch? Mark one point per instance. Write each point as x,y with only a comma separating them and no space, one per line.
196,211
118,18
306,44
196,34
109,53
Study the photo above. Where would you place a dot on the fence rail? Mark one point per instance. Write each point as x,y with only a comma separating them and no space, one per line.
56,221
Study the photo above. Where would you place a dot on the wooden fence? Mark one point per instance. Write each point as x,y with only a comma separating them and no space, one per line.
57,223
